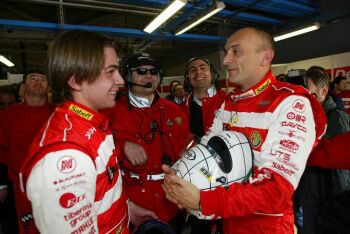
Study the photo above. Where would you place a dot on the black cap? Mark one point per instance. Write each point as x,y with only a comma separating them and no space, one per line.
138,60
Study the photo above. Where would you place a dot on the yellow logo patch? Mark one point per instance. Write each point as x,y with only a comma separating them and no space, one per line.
81,112
262,87
178,120
255,139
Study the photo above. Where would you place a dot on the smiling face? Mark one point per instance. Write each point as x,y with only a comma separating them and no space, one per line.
247,58
101,93
199,74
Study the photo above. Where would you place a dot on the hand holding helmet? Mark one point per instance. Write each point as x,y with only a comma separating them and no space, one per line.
225,160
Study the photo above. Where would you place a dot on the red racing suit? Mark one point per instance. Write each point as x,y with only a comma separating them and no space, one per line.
161,129
18,126
72,177
282,123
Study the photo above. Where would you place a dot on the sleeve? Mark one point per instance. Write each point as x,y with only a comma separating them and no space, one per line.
332,153
280,164
61,188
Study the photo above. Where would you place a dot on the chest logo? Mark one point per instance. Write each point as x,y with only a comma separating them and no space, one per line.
90,132
178,120
66,164
255,139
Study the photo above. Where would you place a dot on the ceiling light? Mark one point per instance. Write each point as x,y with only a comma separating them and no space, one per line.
298,32
218,6
5,61
165,15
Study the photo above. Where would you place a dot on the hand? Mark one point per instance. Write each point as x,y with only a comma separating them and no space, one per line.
179,191
135,153
3,194
138,215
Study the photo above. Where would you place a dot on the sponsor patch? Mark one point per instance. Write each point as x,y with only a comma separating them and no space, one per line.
68,200
66,164
293,125
90,132
299,106
206,173
289,144
255,139
169,122
281,168
190,155
178,120
262,87
296,117
81,112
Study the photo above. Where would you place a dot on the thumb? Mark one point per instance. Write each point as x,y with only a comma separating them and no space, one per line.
168,170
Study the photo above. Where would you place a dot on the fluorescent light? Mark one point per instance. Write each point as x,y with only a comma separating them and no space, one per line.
298,32
165,15
6,61
218,6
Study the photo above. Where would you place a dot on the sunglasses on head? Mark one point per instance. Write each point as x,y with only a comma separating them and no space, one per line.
143,71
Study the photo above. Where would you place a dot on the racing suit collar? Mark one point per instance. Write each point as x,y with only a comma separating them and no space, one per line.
257,89
85,113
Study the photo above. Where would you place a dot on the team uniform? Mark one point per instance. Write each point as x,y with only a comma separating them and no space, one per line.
161,128
282,123
72,177
18,126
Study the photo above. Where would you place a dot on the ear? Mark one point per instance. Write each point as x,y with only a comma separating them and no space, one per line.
73,84
267,57
324,90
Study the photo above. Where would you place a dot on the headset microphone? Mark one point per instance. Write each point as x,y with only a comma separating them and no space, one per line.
147,85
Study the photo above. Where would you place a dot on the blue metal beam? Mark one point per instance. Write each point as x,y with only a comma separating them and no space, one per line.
134,33
249,17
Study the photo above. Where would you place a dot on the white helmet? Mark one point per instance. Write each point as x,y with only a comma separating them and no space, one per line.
225,160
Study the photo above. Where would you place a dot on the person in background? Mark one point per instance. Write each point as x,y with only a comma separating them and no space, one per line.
179,94
150,131
202,81
265,111
8,96
73,157
340,90
18,125
319,185
171,96
8,217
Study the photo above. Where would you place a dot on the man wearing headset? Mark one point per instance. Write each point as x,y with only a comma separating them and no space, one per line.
202,81
150,131
265,111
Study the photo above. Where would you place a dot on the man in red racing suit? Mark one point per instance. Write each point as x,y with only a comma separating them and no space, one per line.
153,127
282,123
71,176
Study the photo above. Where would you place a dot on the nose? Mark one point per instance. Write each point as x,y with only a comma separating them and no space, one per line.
118,79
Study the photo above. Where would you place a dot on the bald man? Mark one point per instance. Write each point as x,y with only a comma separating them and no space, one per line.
282,123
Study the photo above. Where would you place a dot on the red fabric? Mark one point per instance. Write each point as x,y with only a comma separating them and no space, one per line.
345,97
133,124
332,153
18,127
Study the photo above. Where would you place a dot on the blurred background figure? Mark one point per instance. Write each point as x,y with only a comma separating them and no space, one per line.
179,94
341,90
171,96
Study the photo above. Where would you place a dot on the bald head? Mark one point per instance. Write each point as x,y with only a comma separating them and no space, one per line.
249,54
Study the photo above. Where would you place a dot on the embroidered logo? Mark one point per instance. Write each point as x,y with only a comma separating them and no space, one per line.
81,112
262,87
90,132
178,120
255,139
